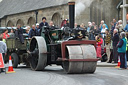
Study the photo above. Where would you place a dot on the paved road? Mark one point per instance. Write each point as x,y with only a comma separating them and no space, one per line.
56,76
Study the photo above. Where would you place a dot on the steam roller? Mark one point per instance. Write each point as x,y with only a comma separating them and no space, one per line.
66,47
73,55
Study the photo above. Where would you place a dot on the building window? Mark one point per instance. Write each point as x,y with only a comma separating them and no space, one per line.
20,22
31,21
10,23
56,18
97,12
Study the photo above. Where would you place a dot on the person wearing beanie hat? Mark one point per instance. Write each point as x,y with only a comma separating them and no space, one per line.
44,18
43,23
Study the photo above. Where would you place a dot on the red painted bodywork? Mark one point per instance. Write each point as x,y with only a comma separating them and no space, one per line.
76,42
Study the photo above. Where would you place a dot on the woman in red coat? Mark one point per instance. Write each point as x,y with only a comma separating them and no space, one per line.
99,43
5,34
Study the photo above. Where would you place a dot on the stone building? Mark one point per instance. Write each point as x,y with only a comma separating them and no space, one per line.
124,10
28,12
13,12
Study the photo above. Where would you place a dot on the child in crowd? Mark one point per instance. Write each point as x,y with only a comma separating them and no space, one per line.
99,44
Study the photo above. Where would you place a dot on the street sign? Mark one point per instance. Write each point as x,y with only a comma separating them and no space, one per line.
1,61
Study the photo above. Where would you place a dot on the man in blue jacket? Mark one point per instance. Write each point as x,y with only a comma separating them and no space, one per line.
122,50
126,27
33,32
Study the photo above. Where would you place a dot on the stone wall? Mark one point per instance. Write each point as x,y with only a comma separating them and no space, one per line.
99,10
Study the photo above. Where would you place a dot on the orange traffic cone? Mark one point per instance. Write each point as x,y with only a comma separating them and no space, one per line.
10,68
118,66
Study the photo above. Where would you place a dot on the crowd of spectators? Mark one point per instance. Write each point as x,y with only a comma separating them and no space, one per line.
114,39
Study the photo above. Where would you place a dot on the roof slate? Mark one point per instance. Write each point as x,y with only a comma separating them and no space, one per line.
8,7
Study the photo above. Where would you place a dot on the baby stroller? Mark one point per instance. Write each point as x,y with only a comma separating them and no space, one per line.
103,54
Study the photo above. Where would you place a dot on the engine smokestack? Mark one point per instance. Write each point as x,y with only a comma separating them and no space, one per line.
71,14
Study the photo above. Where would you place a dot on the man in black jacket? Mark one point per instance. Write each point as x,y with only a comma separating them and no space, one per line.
19,33
115,40
43,23
51,25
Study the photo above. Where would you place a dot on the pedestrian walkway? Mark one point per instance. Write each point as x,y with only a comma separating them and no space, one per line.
105,64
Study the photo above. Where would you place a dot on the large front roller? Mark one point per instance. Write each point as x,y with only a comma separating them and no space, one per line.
80,52
38,51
